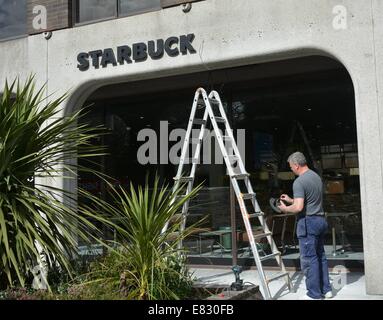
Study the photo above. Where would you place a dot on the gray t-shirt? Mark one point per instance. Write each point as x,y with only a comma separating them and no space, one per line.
309,187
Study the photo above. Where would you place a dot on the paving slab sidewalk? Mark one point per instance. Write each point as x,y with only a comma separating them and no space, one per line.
348,285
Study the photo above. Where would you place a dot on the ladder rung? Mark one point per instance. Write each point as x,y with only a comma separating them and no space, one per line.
199,121
262,235
240,176
270,256
200,103
184,179
176,217
277,276
195,140
255,215
233,157
214,101
191,160
246,196
220,119
173,235
226,138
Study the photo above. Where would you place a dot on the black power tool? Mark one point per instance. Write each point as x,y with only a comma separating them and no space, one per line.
238,284
274,203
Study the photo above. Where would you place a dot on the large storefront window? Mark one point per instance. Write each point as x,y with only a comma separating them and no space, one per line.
310,111
13,18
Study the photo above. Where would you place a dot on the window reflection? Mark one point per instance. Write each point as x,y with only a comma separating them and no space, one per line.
91,10
88,10
128,7
13,18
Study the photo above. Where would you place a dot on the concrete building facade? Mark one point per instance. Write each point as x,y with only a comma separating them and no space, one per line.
216,34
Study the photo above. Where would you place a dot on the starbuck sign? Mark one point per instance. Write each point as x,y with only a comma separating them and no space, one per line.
137,52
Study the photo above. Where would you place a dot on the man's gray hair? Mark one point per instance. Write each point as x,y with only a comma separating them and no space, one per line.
297,158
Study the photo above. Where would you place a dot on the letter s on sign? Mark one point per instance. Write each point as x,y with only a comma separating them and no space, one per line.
82,58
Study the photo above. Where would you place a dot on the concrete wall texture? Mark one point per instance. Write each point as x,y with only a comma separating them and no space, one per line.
232,33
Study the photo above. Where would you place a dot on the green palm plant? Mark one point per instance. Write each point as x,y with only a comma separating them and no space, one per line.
147,263
36,225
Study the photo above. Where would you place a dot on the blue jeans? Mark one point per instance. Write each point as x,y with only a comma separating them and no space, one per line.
311,232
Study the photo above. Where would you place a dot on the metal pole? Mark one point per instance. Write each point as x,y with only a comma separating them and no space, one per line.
102,182
234,250
333,242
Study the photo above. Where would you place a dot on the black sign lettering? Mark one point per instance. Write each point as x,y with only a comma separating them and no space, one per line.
108,57
123,54
172,52
83,61
95,55
138,52
185,44
153,53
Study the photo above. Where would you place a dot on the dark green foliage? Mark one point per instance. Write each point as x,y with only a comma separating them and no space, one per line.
146,263
37,220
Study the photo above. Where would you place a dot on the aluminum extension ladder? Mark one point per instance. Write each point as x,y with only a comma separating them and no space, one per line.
211,104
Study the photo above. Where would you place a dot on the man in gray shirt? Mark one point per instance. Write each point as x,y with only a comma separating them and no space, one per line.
311,226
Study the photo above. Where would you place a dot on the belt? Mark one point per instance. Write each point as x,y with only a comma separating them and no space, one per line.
313,215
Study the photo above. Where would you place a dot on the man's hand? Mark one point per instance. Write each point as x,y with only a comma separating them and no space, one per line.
285,197
295,207
282,207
